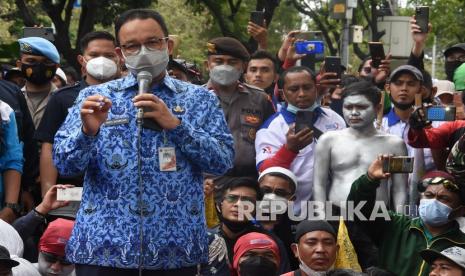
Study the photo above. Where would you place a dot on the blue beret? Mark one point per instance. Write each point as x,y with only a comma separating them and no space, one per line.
39,46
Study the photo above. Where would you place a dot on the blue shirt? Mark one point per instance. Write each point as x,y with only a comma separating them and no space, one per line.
108,221
11,157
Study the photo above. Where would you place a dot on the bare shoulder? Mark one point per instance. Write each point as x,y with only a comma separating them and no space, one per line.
333,136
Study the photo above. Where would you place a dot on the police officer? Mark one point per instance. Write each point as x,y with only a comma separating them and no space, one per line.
99,63
39,60
245,107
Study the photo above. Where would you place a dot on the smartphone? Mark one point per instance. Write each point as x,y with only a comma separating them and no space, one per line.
46,33
333,64
303,119
422,18
441,113
398,164
377,53
309,47
69,194
257,17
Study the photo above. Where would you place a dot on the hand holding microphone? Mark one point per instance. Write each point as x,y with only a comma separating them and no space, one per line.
152,107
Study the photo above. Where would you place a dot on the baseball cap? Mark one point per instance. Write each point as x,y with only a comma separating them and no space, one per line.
56,236
453,254
254,240
444,87
459,46
406,69
279,170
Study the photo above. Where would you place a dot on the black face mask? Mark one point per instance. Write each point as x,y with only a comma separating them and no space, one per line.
450,67
257,266
233,226
400,105
38,73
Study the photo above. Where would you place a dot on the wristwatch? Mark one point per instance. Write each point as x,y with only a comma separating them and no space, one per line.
14,206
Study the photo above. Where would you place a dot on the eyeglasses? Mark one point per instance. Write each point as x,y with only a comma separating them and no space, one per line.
230,198
52,258
449,185
152,44
278,192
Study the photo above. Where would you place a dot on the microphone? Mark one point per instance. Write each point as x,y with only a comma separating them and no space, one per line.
144,79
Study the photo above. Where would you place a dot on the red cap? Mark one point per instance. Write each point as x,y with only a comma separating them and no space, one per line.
56,236
252,241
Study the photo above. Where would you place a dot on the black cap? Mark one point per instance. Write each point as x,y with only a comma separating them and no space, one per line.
307,226
406,69
228,46
460,46
5,258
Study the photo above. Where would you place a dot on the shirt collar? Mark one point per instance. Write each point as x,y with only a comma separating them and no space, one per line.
392,117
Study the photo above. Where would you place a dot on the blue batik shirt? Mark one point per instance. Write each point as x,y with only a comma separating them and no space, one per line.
108,222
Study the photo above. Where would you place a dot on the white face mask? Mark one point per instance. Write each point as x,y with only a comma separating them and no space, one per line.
224,75
153,61
266,204
307,270
101,68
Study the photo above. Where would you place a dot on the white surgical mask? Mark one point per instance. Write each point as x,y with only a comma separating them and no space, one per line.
307,270
293,109
101,68
153,61
224,74
433,212
267,205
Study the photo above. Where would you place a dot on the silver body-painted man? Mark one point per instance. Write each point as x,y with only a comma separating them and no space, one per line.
343,155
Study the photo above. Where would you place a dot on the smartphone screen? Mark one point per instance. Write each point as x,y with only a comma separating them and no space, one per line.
303,119
377,53
422,18
257,17
333,64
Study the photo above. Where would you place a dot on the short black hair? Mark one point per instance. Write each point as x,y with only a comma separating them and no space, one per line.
262,54
133,14
364,88
233,182
427,79
343,272
294,69
283,176
87,38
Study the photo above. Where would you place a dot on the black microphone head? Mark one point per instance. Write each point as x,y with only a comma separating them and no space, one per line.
144,75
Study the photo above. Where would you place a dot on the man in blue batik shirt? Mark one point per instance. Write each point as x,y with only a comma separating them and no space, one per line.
142,200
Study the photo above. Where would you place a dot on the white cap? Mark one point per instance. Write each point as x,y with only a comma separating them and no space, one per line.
61,74
280,170
454,254
444,87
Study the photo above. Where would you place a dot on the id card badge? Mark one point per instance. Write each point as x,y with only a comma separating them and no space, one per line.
167,159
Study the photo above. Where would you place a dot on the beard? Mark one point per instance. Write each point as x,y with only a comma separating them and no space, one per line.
401,106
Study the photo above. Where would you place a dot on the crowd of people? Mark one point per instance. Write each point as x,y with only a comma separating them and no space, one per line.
266,168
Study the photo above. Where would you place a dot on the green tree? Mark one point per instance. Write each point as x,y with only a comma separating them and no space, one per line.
61,12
